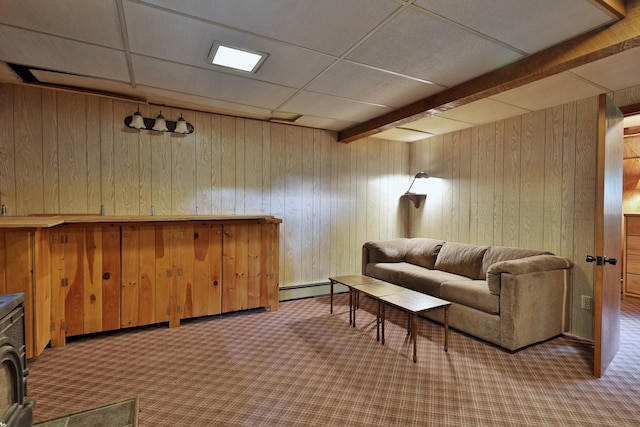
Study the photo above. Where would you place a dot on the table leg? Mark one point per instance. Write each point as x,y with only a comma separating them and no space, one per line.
355,308
382,321
350,304
446,328
413,333
378,322
331,293
408,323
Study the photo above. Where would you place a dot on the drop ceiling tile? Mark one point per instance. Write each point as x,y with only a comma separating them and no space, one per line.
317,104
166,35
195,102
555,90
325,26
349,80
324,123
436,125
615,72
211,84
514,23
55,53
94,22
422,46
89,83
483,111
400,134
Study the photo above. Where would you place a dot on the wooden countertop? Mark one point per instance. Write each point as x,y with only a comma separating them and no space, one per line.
45,221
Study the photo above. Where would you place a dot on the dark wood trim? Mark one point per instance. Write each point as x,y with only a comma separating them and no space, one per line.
629,110
597,44
616,7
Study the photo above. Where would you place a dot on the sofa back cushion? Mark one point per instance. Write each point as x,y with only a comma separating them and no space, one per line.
423,251
461,258
506,253
393,250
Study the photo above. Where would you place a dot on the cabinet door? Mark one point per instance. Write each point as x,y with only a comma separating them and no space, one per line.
188,263
204,251
84,296
247,257
138,276
167,308
15,276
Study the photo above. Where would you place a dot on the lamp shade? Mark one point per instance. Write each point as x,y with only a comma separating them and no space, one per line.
181,126
160,124
137,121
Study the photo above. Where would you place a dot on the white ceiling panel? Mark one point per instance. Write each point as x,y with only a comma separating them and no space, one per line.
211,84
371,85
615,72
161,34
91,21
437,125
324,123
55,53
483,111
317,104
513,22
330,26
401,134
419,45
195,102
559,89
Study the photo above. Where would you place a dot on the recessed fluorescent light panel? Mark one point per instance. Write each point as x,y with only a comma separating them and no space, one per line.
235,58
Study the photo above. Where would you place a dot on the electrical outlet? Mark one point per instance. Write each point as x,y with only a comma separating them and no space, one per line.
586,302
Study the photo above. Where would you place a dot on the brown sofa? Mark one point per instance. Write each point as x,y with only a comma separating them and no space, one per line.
512,297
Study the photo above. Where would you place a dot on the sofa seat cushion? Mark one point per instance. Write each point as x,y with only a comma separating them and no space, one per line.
462,259
425,280
387,271
471,293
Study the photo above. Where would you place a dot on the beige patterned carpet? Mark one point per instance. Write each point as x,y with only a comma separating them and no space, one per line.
301,366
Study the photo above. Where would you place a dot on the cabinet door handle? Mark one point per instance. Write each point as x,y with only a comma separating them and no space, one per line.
106,276
215,283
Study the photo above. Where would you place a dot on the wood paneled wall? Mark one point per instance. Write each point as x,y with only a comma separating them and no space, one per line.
64,152
527,181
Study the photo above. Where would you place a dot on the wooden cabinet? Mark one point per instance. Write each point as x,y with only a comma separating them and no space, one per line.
85,274
632,256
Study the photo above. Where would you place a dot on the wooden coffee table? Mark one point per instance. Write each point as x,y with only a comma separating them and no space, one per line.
376,291
413,303
349,282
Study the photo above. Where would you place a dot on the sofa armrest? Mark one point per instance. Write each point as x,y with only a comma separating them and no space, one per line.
534,306
528,265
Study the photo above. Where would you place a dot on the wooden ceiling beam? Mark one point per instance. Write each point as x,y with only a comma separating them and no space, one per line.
597,44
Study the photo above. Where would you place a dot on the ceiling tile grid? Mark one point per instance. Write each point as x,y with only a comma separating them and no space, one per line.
329,26
422,46
350,80
338,63
514,22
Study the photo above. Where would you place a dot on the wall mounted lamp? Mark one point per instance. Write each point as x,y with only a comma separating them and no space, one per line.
136,121
416,198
